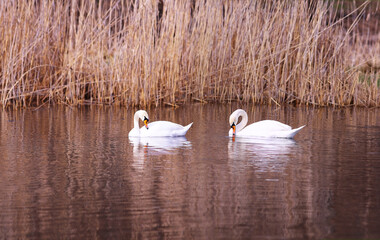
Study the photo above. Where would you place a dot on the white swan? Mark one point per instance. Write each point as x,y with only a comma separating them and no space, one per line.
265,128
156,129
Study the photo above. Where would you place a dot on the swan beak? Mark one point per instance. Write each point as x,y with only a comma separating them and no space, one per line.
233,126
146,123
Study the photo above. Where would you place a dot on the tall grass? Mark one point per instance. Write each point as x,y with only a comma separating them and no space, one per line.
173,52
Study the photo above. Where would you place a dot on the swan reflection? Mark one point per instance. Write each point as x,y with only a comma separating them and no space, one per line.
266,154
143,147
155,146
160,144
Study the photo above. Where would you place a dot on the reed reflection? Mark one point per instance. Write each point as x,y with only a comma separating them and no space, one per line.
74,173
275,189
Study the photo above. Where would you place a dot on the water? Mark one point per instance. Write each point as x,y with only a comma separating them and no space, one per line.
73,173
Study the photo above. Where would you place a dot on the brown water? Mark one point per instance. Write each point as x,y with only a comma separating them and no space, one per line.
73,173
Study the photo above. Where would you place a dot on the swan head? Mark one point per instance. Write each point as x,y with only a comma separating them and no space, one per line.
234,119
143,115
146,120
233,126
233,123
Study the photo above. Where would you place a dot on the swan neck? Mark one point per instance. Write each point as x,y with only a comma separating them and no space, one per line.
136,121
243,122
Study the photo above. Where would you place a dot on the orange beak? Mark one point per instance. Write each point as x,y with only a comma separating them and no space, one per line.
233,128
146,123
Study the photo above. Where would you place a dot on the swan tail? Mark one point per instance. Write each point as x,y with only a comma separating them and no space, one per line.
187,127
293,132
182,132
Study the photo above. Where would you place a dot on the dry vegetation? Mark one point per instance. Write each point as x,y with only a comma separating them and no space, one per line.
173,52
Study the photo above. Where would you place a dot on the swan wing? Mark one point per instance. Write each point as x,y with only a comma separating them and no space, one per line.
269,128
267,125
164,129
288,134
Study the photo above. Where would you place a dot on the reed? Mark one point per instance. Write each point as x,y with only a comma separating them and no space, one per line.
172,52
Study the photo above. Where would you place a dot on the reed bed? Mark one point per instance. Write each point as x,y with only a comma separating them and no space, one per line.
139,53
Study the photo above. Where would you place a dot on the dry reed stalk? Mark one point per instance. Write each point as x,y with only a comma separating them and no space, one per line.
153,52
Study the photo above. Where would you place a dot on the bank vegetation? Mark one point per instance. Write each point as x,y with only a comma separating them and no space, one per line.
139,53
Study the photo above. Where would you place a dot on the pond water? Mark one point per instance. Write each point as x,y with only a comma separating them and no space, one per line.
74,173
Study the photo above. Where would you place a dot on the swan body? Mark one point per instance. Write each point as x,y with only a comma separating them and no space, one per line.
156,129
265,128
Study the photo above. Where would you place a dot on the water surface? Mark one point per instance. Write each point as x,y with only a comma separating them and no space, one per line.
73,173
